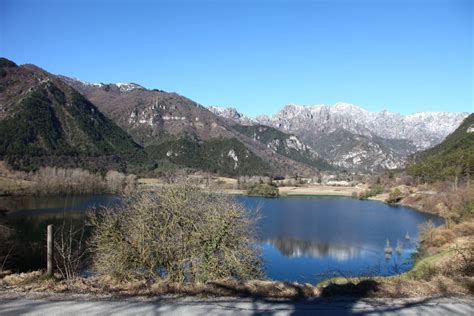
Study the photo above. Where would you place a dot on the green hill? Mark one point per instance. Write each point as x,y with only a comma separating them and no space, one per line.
451,159
225,156
45,122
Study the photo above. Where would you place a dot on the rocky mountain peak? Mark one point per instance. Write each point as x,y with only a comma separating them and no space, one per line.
352,137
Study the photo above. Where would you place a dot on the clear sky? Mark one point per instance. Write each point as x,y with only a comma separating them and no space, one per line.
403,56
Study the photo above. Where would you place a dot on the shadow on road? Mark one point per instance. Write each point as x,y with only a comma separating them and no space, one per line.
236,306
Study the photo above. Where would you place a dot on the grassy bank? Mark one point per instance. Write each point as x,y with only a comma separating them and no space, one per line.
445,261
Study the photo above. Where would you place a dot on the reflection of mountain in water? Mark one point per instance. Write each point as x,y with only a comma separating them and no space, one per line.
313,248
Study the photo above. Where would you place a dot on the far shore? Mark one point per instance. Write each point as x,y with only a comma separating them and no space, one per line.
304,191
229,184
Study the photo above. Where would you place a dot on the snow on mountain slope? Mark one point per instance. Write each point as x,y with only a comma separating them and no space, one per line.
423,129
354,138
232,114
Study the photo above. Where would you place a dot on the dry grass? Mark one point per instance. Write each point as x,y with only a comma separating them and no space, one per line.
105,285
397,286
320,190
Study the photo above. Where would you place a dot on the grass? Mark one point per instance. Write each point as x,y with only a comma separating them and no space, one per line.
106,286
426,266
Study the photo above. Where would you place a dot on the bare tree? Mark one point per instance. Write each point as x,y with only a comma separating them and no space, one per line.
70,250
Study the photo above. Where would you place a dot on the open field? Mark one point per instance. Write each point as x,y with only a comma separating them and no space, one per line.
229,186
321,190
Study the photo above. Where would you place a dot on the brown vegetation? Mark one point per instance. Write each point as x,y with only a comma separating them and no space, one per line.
455,205
6,244
52,180
70,250
181,234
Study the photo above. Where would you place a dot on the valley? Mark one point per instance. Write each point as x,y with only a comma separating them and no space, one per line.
68,146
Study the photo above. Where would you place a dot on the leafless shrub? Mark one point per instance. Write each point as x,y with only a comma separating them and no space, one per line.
6,245
118,182
70,250
52,180
454,205
464,258
181,234
427,230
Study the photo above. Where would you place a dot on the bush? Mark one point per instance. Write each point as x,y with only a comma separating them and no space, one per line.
377,189
6,244
264,189
427,231
70,250
118,182
181,234
395,196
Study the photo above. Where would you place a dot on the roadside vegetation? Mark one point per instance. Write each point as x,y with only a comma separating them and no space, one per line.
6,244
181,234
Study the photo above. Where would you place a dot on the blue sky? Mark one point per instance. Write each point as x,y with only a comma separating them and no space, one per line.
403,56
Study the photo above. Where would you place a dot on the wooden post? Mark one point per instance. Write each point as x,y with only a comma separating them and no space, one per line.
50,246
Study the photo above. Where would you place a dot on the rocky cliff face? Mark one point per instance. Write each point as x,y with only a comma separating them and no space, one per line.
353,138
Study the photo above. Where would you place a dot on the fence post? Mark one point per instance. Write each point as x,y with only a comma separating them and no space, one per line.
50,246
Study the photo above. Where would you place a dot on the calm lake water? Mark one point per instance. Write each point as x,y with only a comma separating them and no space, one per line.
304,239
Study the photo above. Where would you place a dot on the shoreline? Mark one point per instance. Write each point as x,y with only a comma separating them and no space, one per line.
287,191
279,287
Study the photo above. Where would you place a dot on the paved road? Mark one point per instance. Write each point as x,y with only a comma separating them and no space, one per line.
226,306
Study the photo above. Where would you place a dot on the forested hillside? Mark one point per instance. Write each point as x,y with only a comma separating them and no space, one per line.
226,156
450,160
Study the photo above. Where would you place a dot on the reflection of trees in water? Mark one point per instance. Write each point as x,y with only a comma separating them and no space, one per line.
16,203
22,206
311,248
29,251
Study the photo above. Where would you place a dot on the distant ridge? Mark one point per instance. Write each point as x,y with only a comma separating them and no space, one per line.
351,137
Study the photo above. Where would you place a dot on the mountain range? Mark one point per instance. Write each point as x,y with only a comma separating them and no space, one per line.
49,119
353,138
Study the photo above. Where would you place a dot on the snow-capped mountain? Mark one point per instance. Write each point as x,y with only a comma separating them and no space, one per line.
232,114
123,87
424,129
354,138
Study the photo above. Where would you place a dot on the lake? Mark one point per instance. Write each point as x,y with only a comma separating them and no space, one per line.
304,239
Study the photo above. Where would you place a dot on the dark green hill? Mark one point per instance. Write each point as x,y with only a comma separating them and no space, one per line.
451,159
225,156
284,144
43,121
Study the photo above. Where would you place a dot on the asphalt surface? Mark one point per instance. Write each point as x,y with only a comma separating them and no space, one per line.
236,306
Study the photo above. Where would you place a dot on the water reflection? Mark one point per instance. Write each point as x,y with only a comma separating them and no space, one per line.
314,249
303,239
22,206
